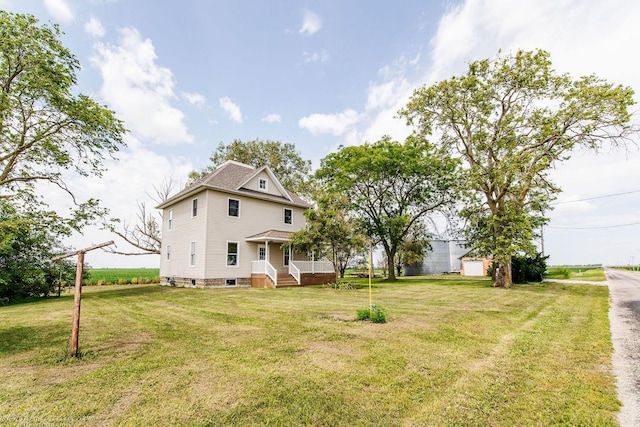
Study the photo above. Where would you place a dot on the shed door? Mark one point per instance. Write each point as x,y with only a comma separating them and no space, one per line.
473,268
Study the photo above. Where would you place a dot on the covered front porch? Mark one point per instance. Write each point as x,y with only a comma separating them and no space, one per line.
278,266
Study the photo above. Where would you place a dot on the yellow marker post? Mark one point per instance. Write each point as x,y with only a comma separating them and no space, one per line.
370,274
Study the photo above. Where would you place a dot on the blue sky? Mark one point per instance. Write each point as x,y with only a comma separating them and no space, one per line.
187,75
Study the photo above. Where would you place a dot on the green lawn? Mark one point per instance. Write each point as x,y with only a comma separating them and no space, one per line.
589,273
453,353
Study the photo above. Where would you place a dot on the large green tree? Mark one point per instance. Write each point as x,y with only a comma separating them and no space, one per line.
45,128
511,120
282,158
28,241
330,231
391,187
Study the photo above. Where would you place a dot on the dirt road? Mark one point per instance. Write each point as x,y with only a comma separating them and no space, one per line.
624,316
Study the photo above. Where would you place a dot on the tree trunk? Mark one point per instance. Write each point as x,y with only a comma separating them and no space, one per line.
503,275
392,271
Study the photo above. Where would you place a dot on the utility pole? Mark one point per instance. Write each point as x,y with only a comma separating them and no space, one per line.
75,330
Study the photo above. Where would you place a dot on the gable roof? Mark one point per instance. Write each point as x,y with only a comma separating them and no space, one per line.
231,177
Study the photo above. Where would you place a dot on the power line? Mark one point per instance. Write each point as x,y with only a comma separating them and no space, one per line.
597,197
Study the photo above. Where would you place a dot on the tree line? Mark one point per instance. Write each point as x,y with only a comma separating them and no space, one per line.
482,147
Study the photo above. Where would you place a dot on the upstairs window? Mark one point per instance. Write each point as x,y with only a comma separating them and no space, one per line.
288,216
262,184
170,221
194,207
234,207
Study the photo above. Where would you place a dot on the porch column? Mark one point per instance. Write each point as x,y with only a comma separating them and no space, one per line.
266,250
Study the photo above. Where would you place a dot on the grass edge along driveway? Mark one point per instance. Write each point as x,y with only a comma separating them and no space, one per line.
454,352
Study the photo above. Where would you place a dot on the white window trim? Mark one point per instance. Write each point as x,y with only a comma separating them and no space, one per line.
284,216
170,220
229,201
226,260
266,184
192,254
196,213
235,280
168,252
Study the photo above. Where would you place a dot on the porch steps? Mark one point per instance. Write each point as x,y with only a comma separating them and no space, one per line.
286,280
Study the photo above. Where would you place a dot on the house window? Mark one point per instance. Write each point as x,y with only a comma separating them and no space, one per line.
286,255
170,221
192,254
194,207
262,184
288,216
231,282
168,252
232,254
262,253
234,207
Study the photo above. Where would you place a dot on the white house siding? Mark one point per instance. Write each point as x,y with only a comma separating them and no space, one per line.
254,184
256,216
212,228
184,230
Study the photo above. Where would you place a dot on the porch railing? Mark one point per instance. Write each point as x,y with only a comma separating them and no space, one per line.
312,266
294,271
265,267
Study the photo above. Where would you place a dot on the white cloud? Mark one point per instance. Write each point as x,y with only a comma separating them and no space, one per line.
335,124
311,23
139,90
322,56
125,173
272,118
94,27
60,10
196,99
232,109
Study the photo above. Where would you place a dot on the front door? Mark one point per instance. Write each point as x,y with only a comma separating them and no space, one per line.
262,252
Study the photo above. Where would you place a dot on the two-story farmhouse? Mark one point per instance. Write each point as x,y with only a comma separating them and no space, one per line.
228,229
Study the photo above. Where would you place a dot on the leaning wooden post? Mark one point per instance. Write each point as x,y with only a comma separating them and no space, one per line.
75,330
76,306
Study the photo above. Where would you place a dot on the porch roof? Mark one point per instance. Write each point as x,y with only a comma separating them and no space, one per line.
271,236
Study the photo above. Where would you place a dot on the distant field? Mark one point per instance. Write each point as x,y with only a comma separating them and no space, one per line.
590,273
121,276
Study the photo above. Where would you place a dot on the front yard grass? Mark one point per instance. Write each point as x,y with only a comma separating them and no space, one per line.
452,353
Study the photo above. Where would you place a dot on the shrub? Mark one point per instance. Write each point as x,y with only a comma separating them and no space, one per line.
343,286
134,280
376,314
526,269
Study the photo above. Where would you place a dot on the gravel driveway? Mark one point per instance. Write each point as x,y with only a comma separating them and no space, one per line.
624,316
